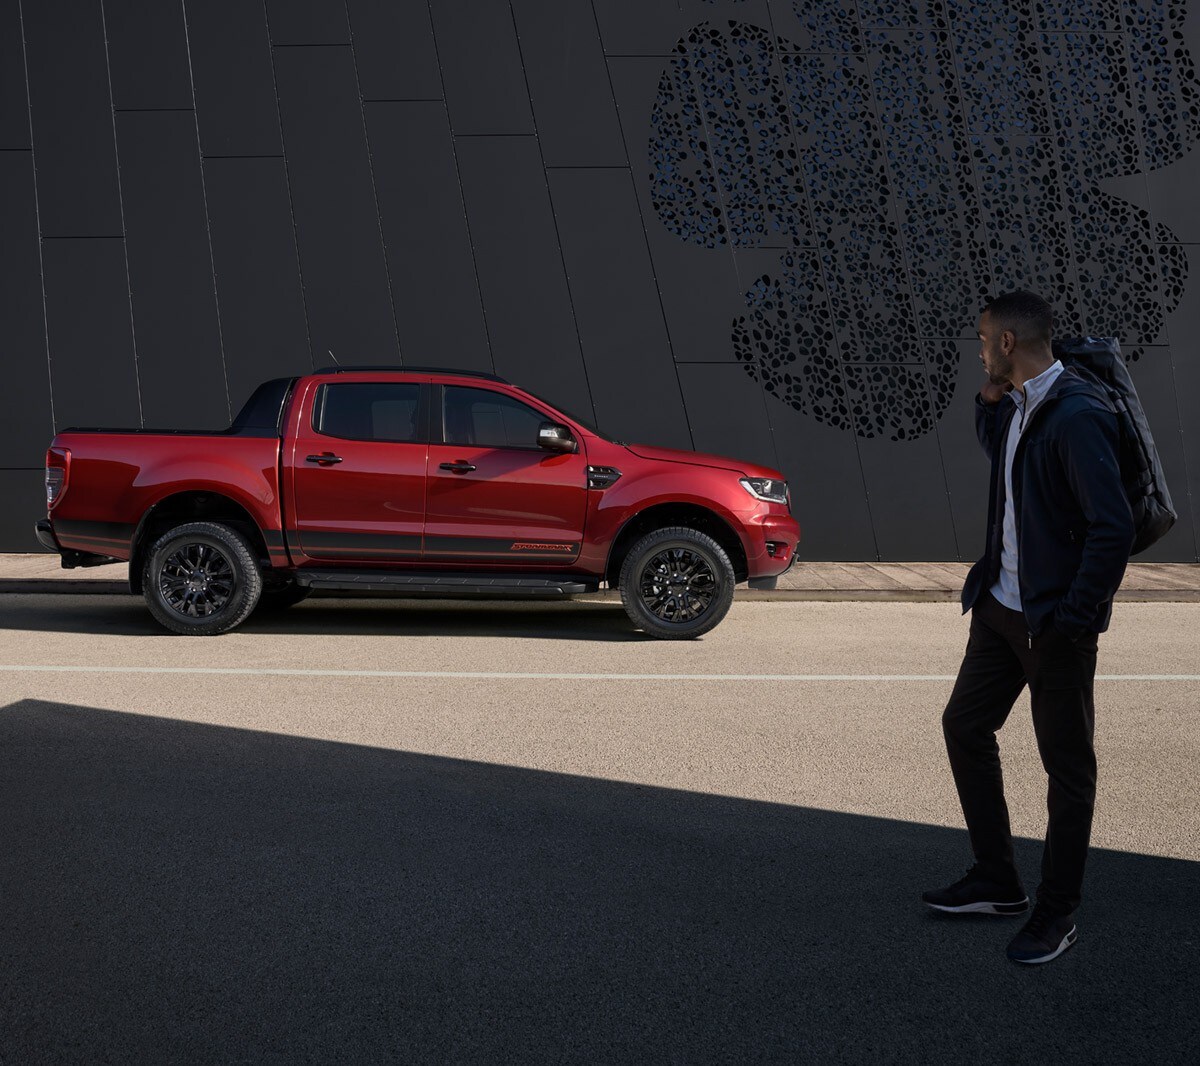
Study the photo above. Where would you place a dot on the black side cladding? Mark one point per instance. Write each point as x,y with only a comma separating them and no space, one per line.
1141,470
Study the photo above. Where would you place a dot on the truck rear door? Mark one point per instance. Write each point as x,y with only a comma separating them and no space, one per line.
358,471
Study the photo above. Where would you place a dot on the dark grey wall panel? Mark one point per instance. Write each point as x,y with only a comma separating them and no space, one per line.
148,53
72,119
394,49
829,498
24,493
235,84
572,101
341,251
170,271
963,459
639,27
258,282
308,22
1173,197
695,287
525,296
14,101
92,366
25,422
699,286
1183,326
802,204
910,507
1154,376
635,387
430,260
481,67
653,27
726,408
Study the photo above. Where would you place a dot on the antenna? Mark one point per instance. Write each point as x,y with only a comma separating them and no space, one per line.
333,357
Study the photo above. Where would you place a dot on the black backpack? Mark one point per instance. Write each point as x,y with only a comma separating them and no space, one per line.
1141,470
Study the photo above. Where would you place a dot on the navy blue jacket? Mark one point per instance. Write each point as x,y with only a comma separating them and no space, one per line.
1074,525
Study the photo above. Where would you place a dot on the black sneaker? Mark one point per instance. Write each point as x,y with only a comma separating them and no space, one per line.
1045,937
977,893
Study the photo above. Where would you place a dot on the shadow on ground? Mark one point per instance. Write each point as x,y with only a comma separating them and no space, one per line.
180,892
128,616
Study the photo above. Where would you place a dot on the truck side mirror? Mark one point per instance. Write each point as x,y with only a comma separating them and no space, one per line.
555,437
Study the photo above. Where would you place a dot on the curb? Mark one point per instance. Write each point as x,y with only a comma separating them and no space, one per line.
64,586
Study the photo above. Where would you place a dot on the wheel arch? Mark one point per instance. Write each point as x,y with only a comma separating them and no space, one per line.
192,505
661,515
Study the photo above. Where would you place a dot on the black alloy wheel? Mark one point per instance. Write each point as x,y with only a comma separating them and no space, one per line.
676,583
196,580
201,579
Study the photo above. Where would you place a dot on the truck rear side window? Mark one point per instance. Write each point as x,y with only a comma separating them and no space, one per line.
365,410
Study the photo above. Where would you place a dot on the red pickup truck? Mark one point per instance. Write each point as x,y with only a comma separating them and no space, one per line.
412,482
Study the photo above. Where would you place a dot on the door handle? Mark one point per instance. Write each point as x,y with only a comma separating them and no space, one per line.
459,466
323,459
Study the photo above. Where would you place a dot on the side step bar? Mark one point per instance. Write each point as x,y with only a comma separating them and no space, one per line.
427,583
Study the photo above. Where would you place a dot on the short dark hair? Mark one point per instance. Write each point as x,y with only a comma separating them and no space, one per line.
1024,313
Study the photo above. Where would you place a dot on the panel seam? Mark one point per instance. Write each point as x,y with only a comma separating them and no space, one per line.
662,311
137,376
553,214
287,177
37,216
362,114
462,196
212,262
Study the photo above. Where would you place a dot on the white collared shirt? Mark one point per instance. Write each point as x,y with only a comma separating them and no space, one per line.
1007,588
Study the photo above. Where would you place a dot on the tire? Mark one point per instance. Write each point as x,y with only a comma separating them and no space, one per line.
223,594
281,597
696,606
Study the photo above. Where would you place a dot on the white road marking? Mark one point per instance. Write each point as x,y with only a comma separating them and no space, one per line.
499,675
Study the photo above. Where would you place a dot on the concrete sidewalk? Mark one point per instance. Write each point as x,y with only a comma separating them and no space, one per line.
915,582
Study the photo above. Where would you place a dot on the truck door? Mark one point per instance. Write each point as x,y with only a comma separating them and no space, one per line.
494,496
358,469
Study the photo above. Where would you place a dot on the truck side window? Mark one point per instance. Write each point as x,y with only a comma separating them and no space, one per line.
489,419
365,410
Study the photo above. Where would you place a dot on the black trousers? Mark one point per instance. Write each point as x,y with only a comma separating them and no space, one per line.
1000,660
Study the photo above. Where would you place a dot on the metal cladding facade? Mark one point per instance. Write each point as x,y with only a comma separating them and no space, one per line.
760,228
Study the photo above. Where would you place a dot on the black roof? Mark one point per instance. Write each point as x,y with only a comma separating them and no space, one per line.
410,370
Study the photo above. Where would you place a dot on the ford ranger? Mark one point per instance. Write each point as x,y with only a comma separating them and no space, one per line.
411,482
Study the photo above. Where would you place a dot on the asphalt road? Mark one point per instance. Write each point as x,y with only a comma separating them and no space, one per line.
353,833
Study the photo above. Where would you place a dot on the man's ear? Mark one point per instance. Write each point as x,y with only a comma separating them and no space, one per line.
1008,341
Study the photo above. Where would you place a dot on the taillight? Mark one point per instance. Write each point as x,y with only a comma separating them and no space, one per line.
58,467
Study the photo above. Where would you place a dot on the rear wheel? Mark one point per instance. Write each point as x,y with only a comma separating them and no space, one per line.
677,583
201,579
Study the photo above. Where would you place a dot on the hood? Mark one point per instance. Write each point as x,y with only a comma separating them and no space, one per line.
717,462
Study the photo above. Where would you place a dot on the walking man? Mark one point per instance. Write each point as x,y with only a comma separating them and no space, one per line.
1059,534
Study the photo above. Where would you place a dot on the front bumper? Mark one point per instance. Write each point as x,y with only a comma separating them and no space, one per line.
773,539
769,584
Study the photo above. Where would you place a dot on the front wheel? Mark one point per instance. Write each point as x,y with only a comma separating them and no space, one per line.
677,583
201,579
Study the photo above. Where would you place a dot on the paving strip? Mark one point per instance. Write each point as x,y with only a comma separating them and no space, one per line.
513,675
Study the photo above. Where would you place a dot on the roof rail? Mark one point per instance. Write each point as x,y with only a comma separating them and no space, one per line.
411,370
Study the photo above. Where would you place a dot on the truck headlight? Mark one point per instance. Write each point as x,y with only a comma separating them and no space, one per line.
773,490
